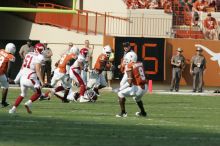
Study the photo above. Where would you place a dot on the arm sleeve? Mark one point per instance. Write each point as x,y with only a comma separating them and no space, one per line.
40,59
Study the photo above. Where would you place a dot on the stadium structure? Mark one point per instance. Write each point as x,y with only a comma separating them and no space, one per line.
154,33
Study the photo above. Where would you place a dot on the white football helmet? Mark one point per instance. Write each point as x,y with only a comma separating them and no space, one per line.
107,50
10,48
130,57
91,95
74,50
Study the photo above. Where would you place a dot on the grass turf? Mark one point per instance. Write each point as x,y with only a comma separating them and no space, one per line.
172,121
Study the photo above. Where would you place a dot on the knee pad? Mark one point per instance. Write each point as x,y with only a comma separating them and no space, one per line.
120,95
137,98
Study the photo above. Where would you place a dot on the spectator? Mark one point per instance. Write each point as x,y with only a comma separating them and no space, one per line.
46,66
210,25
143,4
134,4
200,5
167,5
26,49
153,4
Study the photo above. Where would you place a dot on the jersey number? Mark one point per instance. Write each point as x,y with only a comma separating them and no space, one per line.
141,72
27,61
62,59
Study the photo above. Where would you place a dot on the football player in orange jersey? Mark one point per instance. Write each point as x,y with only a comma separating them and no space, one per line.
97,80
5,57
135,85
61,73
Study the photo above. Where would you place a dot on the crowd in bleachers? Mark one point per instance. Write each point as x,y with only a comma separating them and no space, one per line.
197,8
143,4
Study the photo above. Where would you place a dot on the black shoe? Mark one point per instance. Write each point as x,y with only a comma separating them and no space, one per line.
194,91
65,101
4,104
141,114
76,96
200,91
171,90
96,91
177,90
44,98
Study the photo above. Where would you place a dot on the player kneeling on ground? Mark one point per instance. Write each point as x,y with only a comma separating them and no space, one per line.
31,77
135,85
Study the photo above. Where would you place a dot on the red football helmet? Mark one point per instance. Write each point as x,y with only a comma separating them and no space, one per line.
84,52
39,48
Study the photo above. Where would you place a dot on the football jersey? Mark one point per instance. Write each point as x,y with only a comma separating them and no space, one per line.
64,60
76,65
30,60
101,63
4,59
138,73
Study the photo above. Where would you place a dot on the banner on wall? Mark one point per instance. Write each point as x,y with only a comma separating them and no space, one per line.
15,67
210,51
149,50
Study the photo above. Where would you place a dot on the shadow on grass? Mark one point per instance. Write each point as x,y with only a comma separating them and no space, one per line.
50,131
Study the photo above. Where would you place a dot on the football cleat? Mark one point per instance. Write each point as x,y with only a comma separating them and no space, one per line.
28,108
121,115
141,114
65,101
12,111
83,99
4,104
44,98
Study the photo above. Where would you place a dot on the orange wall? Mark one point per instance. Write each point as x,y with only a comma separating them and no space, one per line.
109,40
212,74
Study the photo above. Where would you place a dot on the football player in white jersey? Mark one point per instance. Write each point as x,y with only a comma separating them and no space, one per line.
75,73
31,78
122,66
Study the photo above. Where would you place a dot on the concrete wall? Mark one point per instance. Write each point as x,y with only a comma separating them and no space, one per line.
113,7
19,29
141,23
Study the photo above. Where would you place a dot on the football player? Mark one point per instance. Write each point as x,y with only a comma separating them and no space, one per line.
5,57
122,66
61,73
75,73
134,86
31,77
97,80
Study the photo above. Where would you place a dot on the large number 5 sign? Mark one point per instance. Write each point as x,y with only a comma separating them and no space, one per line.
144,48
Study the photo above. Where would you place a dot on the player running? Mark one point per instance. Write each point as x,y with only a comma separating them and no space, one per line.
31,78
97,80
61,73
75,73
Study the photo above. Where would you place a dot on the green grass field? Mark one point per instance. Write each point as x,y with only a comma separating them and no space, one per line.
172,121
